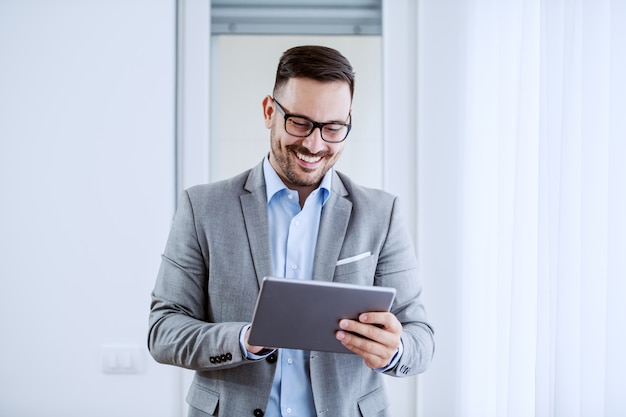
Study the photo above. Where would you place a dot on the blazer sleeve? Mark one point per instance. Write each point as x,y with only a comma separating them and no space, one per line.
397,267
180,332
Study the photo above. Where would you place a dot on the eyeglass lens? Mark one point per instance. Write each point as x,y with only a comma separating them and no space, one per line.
299,126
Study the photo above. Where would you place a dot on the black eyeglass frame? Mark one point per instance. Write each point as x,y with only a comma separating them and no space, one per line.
314,124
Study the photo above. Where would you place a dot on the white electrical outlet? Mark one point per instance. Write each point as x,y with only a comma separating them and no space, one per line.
121,359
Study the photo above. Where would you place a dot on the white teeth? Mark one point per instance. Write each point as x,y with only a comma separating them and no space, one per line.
309,159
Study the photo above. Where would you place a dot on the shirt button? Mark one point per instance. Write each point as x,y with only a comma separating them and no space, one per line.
290,196
296,222
294,267
289,361
288,410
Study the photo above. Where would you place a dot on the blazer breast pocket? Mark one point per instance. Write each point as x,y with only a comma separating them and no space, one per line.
363,265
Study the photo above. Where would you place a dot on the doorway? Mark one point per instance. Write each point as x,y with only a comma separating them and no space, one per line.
242,73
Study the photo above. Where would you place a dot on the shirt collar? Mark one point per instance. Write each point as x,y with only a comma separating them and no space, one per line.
273,183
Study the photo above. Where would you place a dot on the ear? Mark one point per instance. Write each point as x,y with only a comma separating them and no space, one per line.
268,111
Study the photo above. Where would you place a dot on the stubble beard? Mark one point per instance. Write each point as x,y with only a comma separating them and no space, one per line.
289,169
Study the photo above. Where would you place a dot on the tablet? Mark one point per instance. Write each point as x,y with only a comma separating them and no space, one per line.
305,314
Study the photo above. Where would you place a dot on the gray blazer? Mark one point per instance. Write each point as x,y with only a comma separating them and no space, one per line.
216,256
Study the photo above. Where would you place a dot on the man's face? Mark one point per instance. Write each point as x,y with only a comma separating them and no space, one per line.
302,162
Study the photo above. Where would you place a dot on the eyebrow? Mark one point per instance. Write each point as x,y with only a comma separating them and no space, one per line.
287,112
340,122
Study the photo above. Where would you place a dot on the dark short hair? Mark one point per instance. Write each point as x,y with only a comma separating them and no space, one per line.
319,63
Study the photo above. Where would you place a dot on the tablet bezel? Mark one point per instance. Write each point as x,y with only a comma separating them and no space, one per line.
305,314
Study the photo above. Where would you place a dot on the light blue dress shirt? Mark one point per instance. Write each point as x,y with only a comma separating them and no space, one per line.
293,237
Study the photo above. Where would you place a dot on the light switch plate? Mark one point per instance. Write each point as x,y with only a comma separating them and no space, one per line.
121,359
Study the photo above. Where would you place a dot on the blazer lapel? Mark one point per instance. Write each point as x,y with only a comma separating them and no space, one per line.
254,207
333,227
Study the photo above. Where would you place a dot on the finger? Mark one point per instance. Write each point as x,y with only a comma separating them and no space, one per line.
385,320
367,340
389,338
373,354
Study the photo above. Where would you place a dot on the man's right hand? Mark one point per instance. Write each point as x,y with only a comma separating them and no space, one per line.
250,348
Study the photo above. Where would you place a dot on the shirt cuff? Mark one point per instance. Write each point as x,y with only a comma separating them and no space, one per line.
249,355
394,361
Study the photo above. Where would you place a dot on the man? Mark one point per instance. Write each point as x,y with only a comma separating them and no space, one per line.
292,216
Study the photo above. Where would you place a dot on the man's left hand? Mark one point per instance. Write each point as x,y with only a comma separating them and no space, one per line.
375,337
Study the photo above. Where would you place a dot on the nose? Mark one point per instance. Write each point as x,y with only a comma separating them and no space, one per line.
314,142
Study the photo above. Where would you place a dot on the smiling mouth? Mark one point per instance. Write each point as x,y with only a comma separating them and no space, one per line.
308,159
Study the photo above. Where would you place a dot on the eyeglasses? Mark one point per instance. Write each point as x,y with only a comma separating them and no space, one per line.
301,126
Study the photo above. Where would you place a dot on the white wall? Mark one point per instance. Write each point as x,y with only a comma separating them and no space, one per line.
86,183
